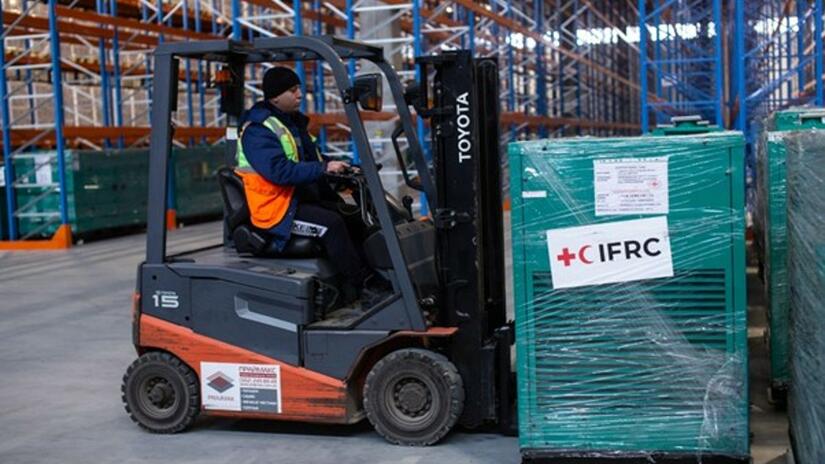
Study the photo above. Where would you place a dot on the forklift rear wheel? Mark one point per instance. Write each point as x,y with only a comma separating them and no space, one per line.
161,393
413,397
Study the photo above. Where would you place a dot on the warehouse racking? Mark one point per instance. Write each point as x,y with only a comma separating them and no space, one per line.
568,67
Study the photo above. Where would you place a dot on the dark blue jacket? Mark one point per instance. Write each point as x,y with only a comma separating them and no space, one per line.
264,152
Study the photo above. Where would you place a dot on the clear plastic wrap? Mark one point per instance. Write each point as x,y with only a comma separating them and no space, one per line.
770,230
100,199
629,284
806,274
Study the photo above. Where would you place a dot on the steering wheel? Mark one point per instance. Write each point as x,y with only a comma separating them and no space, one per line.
340,181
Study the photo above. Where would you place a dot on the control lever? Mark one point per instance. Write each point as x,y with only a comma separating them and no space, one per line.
407,201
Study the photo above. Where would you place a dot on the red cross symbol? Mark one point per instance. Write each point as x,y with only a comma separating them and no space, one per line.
566,256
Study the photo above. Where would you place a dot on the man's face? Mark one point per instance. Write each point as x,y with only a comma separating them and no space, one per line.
289,101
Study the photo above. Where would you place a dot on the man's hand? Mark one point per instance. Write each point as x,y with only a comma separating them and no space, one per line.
337,167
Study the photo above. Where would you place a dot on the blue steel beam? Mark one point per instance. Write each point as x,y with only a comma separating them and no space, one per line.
105,107
511,76
541,78
236,19
643,65
201,88
320,100
800,40
299,66
118,100
57,88
190,117
351,33
717,43
356,159
560,61
820,96
471,31
29,76
577,65
4,110
417,48
144,15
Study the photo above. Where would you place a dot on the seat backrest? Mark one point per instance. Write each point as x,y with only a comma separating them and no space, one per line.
234,198
249,239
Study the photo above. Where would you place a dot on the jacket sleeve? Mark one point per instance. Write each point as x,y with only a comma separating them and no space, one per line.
264,152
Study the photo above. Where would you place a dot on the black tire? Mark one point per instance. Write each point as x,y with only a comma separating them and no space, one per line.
161,393
413,397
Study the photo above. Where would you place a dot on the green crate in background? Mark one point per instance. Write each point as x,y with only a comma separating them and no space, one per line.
685,125
104,190
107,190
197,195
770,229
646,366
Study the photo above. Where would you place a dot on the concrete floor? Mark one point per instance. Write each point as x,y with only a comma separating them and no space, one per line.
65,343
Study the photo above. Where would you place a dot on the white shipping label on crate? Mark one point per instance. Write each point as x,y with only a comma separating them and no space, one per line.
613,252
2,177
43,174
241,387
534,194
626,186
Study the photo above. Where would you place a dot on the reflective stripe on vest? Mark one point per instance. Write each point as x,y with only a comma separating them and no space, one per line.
289,144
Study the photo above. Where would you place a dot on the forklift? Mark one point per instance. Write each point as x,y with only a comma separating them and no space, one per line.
244,330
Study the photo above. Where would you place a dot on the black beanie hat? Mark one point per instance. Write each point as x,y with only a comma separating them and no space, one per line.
278,80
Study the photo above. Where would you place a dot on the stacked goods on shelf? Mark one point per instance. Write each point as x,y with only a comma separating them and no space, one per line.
629,277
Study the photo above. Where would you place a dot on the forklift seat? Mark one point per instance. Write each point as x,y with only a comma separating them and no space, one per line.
250,239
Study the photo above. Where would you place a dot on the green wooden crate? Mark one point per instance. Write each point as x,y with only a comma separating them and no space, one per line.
770,230
644,366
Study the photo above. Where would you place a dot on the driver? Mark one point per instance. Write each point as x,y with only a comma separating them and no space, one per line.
282,170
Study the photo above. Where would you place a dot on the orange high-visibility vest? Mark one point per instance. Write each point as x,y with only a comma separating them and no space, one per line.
268,203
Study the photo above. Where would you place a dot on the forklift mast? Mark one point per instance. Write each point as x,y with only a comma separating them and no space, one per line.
464,120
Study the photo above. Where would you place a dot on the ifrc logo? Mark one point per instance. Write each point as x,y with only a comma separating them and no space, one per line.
604,252
610,252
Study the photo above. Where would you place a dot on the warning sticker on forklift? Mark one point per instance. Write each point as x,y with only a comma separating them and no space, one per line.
612,252
241,387
625,186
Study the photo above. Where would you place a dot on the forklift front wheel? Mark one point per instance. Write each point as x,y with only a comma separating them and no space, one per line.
413,397
161,393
